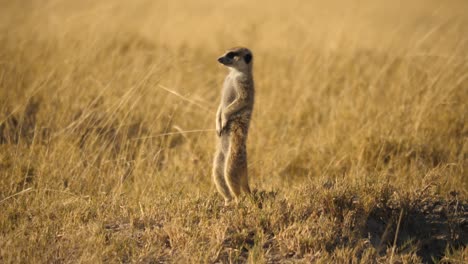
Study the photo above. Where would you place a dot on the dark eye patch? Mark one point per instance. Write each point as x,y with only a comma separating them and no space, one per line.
248,58
231,54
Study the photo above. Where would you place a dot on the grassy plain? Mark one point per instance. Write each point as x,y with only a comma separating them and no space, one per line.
357,153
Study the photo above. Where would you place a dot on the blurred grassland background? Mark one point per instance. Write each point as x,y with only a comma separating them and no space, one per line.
360,115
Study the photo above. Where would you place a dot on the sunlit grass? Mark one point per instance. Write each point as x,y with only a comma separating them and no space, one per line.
107,116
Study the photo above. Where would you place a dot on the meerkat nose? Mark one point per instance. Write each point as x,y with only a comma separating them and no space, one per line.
220,59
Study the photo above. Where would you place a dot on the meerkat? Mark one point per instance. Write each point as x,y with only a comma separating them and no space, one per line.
232,125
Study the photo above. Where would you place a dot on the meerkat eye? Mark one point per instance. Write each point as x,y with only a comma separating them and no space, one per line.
231,55
248,58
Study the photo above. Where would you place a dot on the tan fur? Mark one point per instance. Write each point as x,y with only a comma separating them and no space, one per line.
232,125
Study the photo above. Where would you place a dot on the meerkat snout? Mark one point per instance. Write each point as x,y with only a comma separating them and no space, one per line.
228,58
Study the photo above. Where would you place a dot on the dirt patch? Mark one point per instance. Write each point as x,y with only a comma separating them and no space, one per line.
430,226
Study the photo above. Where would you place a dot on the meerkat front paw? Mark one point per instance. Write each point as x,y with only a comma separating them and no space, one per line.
224,121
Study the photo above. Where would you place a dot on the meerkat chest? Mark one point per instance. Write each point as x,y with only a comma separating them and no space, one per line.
229,90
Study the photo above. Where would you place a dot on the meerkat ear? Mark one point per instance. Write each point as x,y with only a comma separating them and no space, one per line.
248,58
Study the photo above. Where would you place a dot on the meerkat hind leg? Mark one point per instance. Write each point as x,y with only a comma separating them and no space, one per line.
232,175
218,177
236,165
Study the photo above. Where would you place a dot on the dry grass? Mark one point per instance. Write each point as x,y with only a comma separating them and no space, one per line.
106,112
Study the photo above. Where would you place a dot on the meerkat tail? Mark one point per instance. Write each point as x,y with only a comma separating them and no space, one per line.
245,182
244,179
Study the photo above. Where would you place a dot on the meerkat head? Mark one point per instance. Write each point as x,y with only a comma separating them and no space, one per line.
240,59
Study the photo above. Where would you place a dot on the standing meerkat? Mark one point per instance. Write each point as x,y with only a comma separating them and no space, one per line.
232,124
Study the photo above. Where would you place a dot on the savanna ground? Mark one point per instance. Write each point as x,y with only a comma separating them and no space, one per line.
357,153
